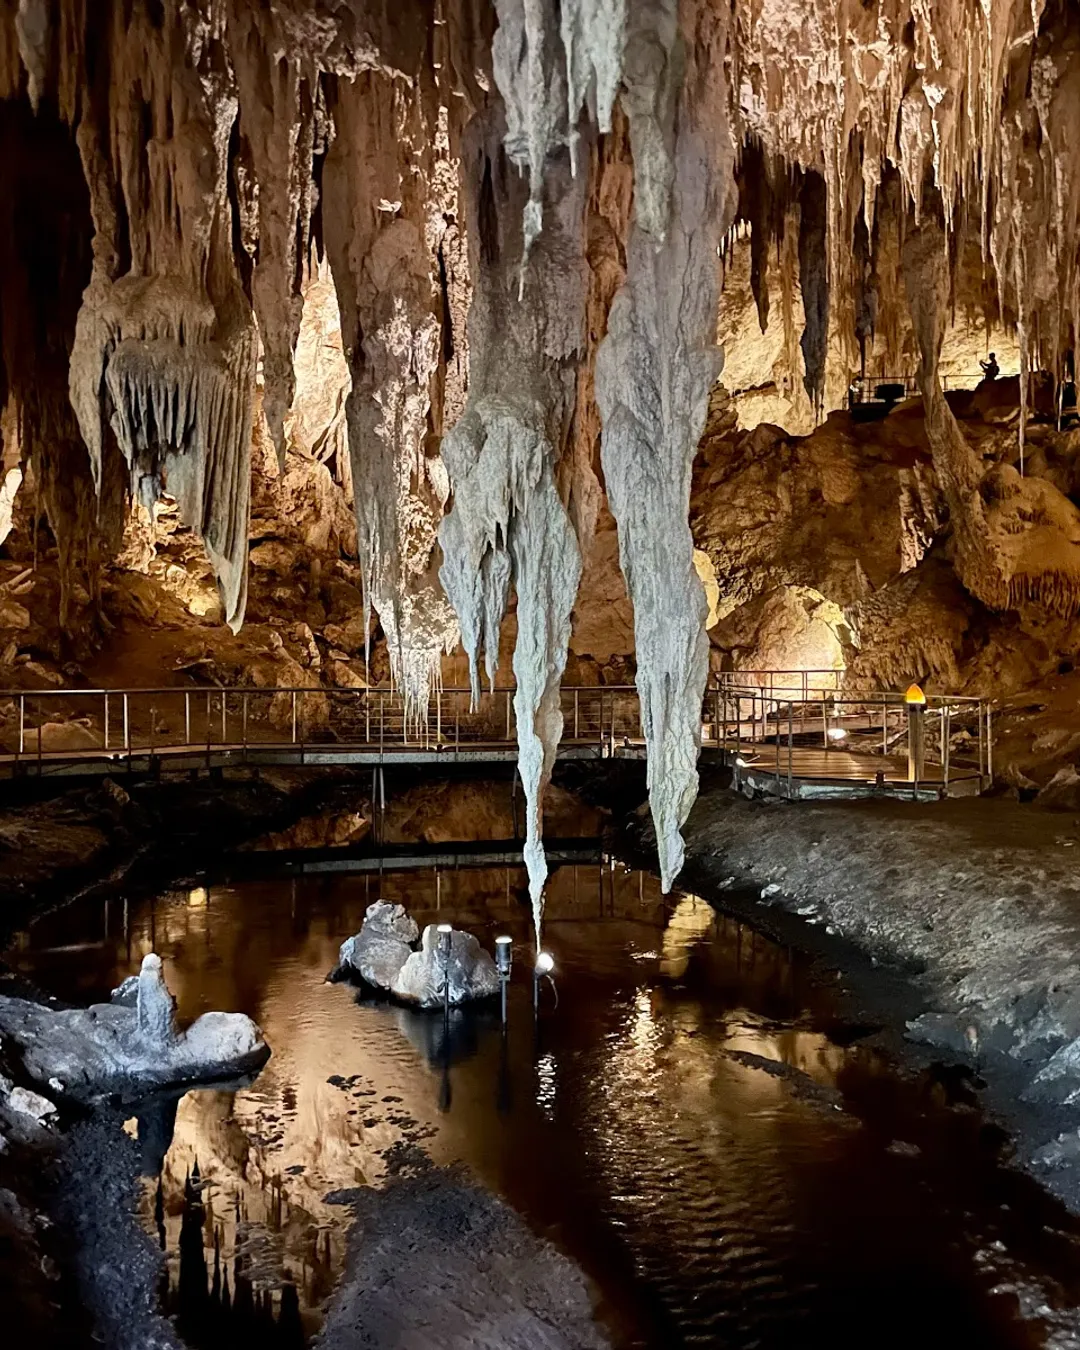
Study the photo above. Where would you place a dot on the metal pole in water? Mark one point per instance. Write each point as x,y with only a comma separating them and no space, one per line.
545,964
504,960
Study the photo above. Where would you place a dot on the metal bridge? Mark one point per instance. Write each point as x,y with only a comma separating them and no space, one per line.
797,733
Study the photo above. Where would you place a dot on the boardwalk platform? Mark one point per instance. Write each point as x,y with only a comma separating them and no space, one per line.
798,734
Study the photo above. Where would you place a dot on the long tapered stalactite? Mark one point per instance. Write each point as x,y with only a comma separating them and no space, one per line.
653,376
508,523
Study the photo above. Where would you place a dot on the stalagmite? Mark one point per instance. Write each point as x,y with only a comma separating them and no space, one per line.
508,522
653,376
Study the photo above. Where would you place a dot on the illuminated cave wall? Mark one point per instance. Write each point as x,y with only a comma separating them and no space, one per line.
361,329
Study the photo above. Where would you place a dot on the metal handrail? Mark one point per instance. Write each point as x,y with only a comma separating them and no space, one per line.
156,722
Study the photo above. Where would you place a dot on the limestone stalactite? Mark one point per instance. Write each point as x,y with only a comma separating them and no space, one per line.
508,522
654,372
389,201
1016,541
569,295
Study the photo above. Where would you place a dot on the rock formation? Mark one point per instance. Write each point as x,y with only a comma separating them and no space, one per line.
130,1045
526,213
384,955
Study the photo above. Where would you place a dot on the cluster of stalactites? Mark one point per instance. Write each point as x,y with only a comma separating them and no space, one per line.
971,108
658,362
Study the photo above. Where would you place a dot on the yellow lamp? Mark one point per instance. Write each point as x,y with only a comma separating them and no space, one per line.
914,695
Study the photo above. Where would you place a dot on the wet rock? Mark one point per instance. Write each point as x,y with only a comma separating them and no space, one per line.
117,1047
439,1263
126,992
32,1104
470,971
155,1008
382,946
1062,793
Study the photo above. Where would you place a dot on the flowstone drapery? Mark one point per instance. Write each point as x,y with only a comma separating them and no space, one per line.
653,376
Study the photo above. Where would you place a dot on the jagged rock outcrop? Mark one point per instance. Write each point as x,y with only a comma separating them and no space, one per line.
1016,540
428,978
382,946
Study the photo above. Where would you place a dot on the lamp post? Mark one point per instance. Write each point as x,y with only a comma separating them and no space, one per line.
915,705
504,960
545,964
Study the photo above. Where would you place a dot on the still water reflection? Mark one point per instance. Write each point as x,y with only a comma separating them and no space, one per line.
731,1167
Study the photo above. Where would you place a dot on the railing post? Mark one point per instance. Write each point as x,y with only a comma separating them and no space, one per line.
982,742
224,715
947,744
508,714
208,728
457,723
106,720
765,727
127,728
790,744
245,719
824,720
294,717
438,715
576,692
989,742
382,726
187,716
22,724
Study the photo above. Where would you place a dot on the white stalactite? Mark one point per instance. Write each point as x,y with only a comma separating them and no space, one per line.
654,372
508,521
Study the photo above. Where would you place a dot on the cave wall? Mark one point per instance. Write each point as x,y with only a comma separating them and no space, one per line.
461,267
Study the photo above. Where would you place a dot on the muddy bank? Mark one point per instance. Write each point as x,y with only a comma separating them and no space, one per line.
976,904
437,1262
56,847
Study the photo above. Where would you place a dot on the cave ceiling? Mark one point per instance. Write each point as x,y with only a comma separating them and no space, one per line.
528,210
